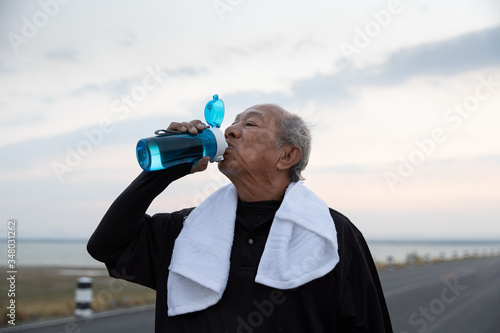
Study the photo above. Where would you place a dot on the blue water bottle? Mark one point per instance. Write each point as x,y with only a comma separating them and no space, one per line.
169,148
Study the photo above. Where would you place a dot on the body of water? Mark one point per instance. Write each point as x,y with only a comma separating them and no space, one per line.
74,253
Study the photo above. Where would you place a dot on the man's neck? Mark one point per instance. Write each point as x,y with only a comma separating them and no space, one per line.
269,189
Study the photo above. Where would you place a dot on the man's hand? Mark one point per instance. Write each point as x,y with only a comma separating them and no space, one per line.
193,127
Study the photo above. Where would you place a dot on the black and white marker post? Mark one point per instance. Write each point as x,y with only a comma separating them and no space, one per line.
83,297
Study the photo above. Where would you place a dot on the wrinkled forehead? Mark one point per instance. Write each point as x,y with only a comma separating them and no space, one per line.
269,112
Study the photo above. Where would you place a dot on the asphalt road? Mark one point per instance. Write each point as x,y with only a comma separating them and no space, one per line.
138,320
458,297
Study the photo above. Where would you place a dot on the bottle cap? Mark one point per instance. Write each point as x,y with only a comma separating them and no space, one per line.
214,112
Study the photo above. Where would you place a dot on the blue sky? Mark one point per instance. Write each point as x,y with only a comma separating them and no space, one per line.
403,98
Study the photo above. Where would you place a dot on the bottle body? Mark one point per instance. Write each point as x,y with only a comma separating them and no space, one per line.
164,151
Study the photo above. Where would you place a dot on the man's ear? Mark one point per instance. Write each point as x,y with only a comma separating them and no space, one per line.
290,156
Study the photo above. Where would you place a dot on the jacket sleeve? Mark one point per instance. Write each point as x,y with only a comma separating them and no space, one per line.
130,242
362,305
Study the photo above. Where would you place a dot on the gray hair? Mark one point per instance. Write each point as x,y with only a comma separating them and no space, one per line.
292,130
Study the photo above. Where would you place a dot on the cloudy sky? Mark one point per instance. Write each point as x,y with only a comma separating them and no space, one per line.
403,97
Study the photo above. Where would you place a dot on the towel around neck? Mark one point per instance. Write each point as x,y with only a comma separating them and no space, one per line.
301,246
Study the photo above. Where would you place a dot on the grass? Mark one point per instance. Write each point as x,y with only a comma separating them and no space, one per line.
49,292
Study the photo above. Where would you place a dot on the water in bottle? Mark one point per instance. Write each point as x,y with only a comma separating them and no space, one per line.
170,148
164,151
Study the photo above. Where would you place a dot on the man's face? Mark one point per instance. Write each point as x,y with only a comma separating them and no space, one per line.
251,139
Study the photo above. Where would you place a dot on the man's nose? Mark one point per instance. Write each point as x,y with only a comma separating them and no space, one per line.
232,132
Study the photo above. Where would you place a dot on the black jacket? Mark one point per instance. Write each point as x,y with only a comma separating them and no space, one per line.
138,248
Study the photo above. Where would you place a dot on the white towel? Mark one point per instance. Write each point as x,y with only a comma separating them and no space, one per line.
301,246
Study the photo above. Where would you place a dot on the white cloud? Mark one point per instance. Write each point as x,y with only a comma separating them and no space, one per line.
65,80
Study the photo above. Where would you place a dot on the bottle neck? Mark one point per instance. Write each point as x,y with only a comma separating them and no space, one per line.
220,142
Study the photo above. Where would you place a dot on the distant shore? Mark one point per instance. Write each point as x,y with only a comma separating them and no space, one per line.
73,253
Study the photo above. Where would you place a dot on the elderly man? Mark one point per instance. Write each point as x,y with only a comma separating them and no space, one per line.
262,254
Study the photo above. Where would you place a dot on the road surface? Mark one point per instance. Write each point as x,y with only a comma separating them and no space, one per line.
458,297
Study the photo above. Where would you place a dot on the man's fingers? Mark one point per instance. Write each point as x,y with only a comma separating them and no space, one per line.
175,126
200,165
193,126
